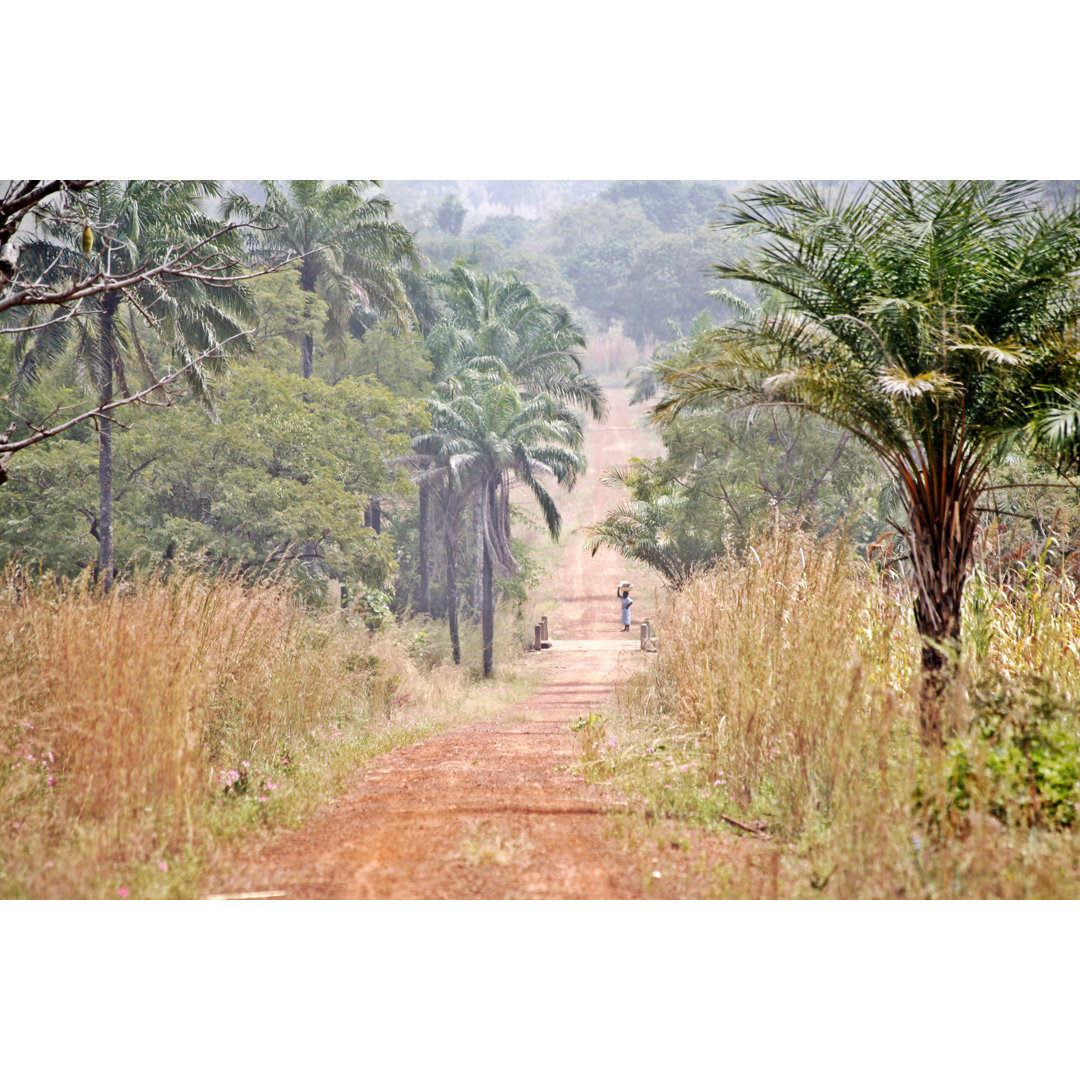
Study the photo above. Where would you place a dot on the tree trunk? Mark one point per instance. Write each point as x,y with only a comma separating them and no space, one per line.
488,599
478,541
425,544
941,534
307,356
451,594
308,276
106,570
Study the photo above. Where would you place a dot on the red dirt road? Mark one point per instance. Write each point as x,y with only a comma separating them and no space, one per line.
493,810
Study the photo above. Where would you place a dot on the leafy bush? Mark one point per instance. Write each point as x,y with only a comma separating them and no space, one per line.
1021,758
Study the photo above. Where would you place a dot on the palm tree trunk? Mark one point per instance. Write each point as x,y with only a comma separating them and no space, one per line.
105,568
450,538
478,540
425,544
488,597
308,276
941,534
307,356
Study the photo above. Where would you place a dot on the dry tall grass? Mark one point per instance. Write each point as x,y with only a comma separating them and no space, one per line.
789,675
128,721
791,665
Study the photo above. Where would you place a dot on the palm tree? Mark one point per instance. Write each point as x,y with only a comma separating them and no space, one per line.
929,319
498,325
351,252
482,438
127,224
640,527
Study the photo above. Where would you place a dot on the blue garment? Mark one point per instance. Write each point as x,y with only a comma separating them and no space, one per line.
626,602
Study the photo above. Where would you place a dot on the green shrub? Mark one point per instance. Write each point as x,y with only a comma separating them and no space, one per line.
1020,759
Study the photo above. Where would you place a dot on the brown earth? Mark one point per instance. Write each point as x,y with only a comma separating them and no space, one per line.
495,810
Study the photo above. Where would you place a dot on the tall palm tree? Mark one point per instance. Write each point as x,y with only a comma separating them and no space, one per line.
127,223
929,319
484,438
352,252
499,326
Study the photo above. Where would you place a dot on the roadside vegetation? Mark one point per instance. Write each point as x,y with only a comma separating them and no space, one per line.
232,425
148,729
895,713
782,708
257,451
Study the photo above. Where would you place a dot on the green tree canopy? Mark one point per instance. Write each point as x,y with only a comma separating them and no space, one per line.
350,250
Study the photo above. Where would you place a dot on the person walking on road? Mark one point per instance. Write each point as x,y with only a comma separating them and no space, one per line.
623,592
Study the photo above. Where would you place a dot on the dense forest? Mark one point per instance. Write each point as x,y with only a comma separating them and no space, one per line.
300,356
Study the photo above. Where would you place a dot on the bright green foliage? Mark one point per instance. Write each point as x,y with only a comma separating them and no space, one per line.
648,527
48,506
499,325
284,474
723,478
397,362
286,314
139,222
350,252
1021,760
482,437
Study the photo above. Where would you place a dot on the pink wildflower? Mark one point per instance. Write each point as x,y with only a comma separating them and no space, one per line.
122,893
163,865
51,781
